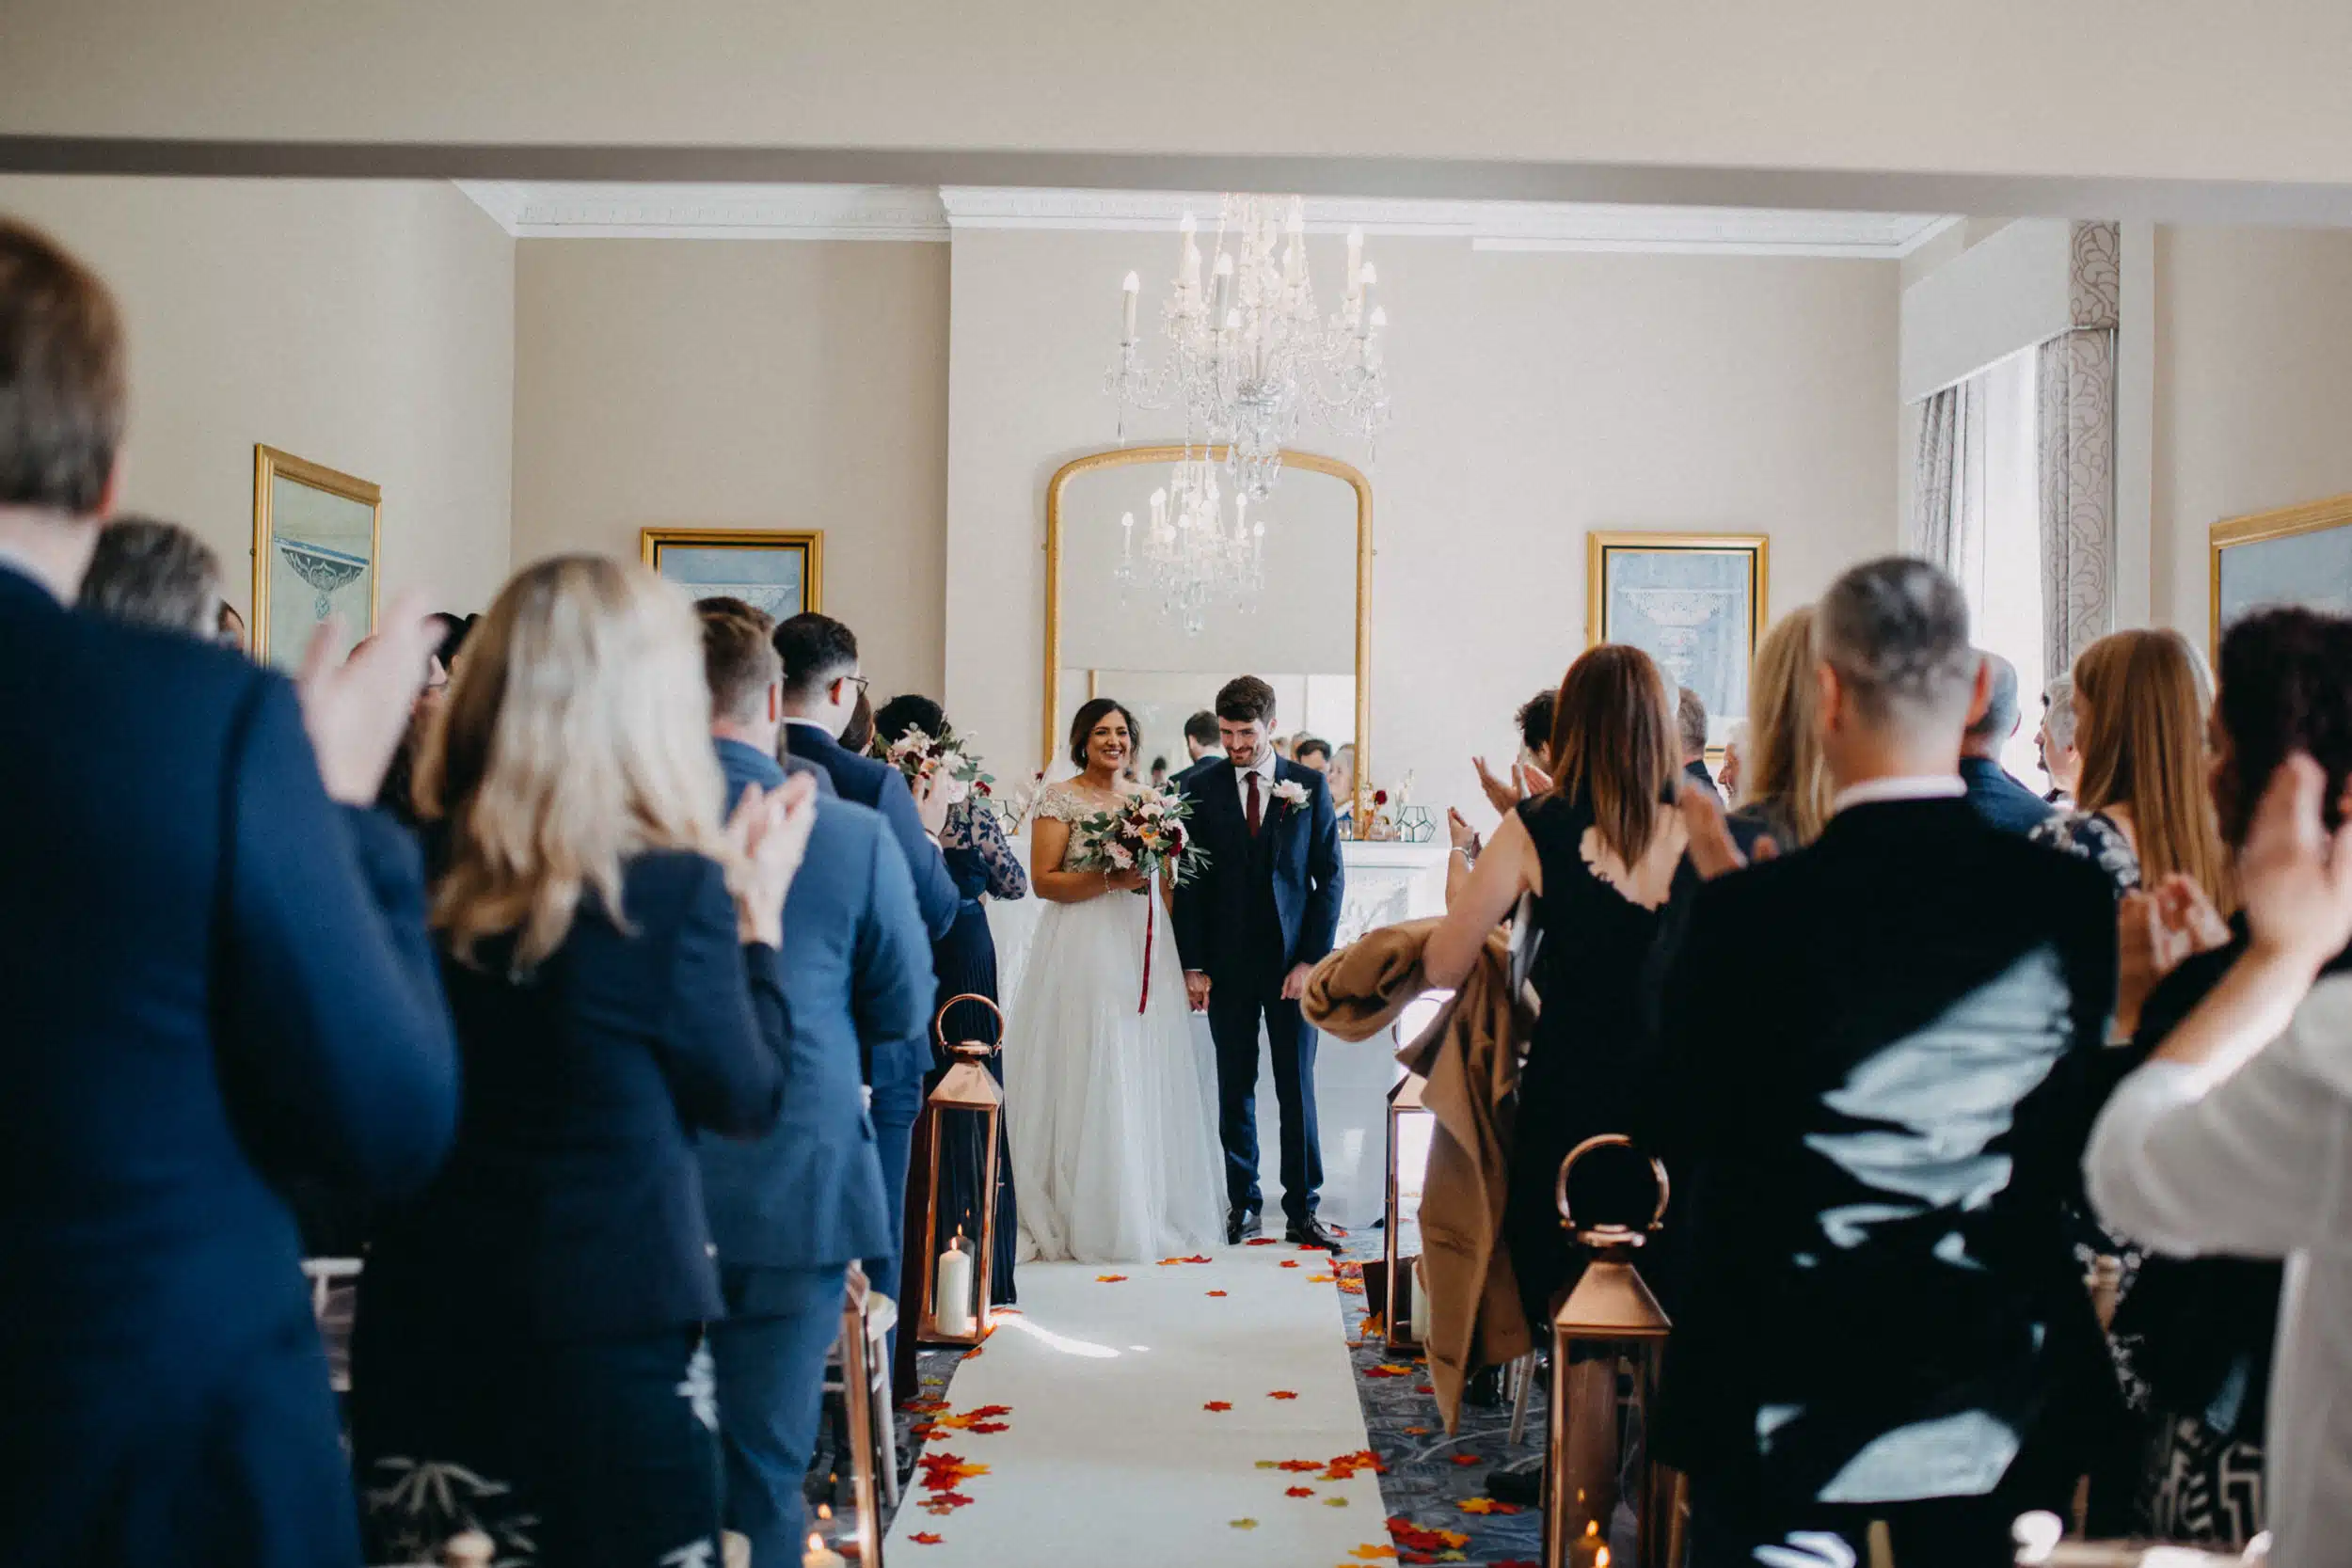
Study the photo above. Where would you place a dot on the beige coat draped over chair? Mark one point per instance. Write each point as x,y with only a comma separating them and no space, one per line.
1469,1056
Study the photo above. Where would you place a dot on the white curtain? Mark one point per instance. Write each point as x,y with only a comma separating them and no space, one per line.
2076,376
1947,478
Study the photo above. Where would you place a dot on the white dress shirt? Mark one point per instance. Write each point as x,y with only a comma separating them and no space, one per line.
1922,787
1263,768
2258,1163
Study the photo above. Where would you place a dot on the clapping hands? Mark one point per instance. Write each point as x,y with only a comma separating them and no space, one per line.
1713,851
1505,795
769,831
2155,931
356,709
2297,876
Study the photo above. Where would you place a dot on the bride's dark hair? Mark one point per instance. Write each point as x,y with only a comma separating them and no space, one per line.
1083,726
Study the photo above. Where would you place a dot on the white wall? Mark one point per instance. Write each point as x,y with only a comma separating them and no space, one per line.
370,328
2253,389
744,383
1538,396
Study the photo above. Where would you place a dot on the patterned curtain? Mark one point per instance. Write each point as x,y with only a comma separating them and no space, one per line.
2075,373
1935,477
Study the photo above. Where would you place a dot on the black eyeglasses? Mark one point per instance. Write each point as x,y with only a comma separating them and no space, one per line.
860,682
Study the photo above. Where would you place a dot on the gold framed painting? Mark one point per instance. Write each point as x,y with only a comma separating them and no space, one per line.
2298,555
782,573
1694,602
317,534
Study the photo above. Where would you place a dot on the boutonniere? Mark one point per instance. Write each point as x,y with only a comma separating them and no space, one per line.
1291,792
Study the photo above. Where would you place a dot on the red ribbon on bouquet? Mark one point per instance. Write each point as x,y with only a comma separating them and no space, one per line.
1150,927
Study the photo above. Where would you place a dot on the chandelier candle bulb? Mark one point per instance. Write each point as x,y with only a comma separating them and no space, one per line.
1128,288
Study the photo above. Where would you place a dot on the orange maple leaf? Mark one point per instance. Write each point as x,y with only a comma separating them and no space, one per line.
1416,1432
1217,1404
1485,1505
1299,1492
1289,1263
1388,1368
1281,1394
1320,1278
1110,1280
1216,1293
1195,1258
1300,1466
1371,1553
925,1538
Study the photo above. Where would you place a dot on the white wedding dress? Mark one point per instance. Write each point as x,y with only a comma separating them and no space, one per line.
1111,1105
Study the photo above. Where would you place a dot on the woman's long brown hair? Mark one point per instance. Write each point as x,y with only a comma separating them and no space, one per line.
2141,731
1614,743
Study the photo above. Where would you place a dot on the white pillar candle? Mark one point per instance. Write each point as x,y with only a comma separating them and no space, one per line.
1420,1319
821,1555
1128,288
951,1290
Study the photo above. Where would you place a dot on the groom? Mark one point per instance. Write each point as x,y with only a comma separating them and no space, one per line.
1249,927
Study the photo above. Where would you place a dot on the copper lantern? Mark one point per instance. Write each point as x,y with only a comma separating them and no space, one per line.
951,1275
1607,1336
1401,1270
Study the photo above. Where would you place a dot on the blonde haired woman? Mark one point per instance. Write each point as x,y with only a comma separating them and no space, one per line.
527,1360
1784,784
2143,807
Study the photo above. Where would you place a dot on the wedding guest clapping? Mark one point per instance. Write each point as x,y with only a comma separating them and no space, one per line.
1869,1099
2194,1336
2230,1140
217,977
1600,851
528,1358
1529,773
792,1209
2141,811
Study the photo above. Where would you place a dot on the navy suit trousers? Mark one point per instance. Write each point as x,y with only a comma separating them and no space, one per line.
1234,1010
770,1359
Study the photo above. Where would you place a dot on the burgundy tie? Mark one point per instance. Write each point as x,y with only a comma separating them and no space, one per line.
1256,814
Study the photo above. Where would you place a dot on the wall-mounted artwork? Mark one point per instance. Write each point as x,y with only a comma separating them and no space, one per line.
1694,602
2299,555
316,533
783,574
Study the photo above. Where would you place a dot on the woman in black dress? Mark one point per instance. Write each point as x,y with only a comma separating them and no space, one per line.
528,1358
984,866
1601,852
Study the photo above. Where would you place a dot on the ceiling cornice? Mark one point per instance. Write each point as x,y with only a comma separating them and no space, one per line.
658,211
562,209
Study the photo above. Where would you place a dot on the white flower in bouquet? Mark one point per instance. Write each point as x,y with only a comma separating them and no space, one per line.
1119,856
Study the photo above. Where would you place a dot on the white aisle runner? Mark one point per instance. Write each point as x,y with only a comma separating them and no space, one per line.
1187,1413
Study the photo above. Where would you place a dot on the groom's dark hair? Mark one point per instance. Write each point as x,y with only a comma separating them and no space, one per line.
1246,698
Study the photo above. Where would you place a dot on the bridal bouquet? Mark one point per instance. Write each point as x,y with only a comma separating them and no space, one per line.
923,757
1147,833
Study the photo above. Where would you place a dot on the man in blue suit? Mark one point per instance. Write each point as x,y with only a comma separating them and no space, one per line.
1249,927
216,977
822,686
1999,799
789,1212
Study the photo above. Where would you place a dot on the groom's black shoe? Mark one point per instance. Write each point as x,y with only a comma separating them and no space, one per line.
1310,1232
1241,1224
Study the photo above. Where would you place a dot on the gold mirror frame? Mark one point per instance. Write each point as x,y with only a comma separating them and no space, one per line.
1119,457
2260,527
269,464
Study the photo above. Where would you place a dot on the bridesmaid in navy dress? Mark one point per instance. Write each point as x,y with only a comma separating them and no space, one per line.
984,866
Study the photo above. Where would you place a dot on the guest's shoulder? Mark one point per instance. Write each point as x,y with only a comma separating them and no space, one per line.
663,884
167,662
2090,839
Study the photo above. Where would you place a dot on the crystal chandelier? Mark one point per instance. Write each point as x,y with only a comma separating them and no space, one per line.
1193,561
1247,351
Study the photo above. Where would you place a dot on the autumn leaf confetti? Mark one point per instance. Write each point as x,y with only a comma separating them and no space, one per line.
1218,1404
1282,1394
925,1538
1299,1492
1485,1505
1216,1293
1110,1280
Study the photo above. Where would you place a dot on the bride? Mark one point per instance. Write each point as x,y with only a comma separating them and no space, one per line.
1110,1107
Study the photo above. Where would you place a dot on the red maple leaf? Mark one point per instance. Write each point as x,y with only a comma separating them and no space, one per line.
925,1538
1467,1458
1262,1241
1218,1404
1424,1389
987,1428
1216,1293
1289,1263
1299,1492
1300,1466
1281,1394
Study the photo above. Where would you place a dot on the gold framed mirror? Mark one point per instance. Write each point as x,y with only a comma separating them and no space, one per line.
1307,628
318,535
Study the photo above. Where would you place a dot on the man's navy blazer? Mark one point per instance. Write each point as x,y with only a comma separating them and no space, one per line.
856,968
1298,851
213,976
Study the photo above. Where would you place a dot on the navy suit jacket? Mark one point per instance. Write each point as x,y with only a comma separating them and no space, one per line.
857,969
2001,799
572,1207
213,975
1301,855
871,782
